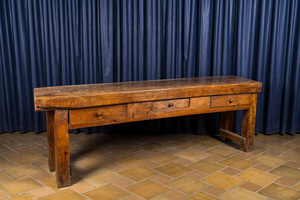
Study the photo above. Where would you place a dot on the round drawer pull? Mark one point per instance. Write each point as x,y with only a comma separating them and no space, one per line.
170,105
230,100
99,114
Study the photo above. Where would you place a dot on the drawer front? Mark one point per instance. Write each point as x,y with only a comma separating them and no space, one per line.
200,102
170,105
157,107
230,100
97,114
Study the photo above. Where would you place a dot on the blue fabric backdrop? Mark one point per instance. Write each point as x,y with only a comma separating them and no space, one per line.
54,42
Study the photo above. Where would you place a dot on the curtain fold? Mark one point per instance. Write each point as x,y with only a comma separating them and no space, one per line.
53,42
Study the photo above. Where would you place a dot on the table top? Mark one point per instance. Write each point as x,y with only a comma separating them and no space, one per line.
92,95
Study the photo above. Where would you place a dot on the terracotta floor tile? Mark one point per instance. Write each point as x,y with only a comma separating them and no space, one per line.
51,182
258,177
152,147
64,195
222,180
291,155
24,158
231,171
130,160
5,165
297,187
263,167
209,143
123,182
8,141
277,147
183,161
268,160
214,158
192,154
280,192
244,155
116,167
251,186
287,172
294,143
174,170
142,153
213,190
3,196
22,197
2,159
94,152
41,175
240,193
182,144
18,186
83,187
186,185
162,158
147,189
22,170
293,164
40,192
150,164
161,178
100,177
40,162
159,198
95,163
223,152
201,196
206,166
138,173
197,175
238,163
264,138
132,197
174,195
286,182
4,178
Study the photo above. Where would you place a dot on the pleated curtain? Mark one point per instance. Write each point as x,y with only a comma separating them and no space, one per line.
54,42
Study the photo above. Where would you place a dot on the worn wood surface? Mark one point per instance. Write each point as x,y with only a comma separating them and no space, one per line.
80,106
62,155
150,114
92,95
226,123
248,128
50,137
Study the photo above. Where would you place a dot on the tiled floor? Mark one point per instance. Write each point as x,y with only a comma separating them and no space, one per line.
170,166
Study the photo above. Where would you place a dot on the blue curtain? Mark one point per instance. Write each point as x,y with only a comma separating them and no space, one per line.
54,42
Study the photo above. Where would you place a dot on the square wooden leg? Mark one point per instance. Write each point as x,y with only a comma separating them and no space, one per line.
50,136
248,129
62,156
226,122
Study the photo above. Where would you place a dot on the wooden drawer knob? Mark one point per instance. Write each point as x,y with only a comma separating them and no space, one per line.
170,105
99,114
230,100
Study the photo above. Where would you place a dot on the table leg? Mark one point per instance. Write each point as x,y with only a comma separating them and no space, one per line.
50,136
226,122
248,129
62,156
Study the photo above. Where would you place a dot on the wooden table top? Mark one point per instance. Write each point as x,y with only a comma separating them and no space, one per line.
92,95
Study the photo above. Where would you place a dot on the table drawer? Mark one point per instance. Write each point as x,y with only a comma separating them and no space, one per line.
157,107
97,114
230,100
170,105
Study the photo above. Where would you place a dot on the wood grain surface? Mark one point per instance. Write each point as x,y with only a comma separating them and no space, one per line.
92,95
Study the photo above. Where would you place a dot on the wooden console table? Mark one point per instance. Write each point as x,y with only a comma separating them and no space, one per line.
79,106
